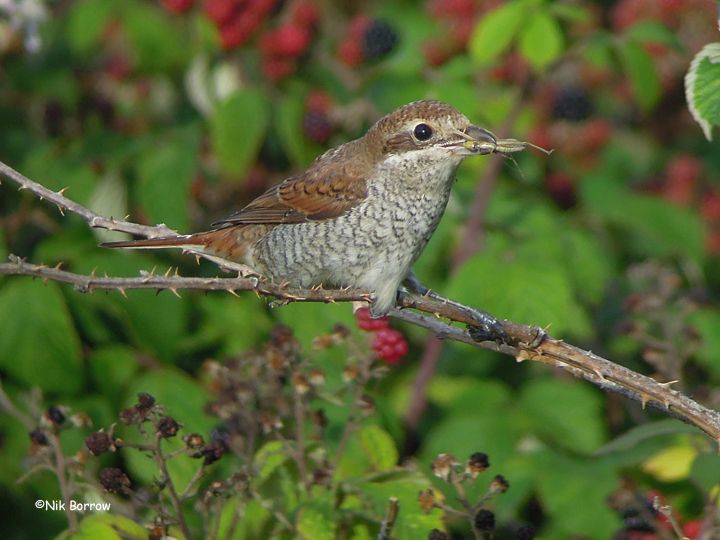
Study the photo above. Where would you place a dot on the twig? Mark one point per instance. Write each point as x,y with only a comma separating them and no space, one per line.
168,482
61,473
388,523
525,342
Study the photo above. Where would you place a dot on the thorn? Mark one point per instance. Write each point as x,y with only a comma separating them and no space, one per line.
58,266
167,273
125,218
232,291
122,291
62,191
92,274
197,259
522,356
22,187
599,375
174,291
62,211
644,399
667,384
176,271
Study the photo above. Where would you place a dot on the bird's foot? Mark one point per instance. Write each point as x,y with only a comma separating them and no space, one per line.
487,327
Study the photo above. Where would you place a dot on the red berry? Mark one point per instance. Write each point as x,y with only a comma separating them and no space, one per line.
692,529
318,100
713,242
358,26
710,206
219,11
234,33
263,7
597,132
306,14
177,6
435,53
561,188
350,52
389,345
289,40
367,323
276,68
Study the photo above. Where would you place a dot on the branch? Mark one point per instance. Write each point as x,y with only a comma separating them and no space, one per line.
524,342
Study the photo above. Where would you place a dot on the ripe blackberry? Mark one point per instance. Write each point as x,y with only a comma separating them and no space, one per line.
573,104
378,39
484,520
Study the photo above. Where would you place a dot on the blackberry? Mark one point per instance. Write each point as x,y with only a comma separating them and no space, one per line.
378,40
484,520
526,532
572,103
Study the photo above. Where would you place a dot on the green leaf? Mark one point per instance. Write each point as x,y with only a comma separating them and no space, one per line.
104,526
315,522
268,458
38,343
592,264
707,322
87,22
640,69
158,43
541,40
567,413
653,32
494,33
705,471
288,124
371,450
702,88
112,369
654,226
165,173
238,127
570,12
638,435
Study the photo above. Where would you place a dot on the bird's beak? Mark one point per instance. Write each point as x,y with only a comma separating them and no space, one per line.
474,141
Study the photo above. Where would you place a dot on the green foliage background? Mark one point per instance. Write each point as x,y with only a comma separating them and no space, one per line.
140,111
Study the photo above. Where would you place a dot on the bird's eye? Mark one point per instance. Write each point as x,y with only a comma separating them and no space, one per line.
422,132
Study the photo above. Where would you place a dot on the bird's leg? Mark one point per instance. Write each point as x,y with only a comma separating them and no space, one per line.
488,328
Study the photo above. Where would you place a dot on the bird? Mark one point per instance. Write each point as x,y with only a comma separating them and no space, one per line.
360,214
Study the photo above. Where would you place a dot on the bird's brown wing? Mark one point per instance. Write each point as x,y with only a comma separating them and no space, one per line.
312,196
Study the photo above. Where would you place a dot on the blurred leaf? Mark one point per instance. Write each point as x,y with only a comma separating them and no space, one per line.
315,520
702,88
412,523
567,413
592,264
237,128
707,323
671,464
3,247
268,458
640,69
541,40
525,285
639,434
570,12
165,173
158,43
654,32
254,519
112,368
56,172
289,125
705,471
106,526
566,487
370,450
495,31
310,319
87,22
38,343
654,226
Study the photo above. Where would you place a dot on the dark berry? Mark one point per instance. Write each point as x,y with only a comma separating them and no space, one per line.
145,402
129,416
378,40
212,453
561,188
526,532
98,442
114,480
167,427
38,437
317,126
499,484
55,415
484,520
477,463
573,104
194,441
437,534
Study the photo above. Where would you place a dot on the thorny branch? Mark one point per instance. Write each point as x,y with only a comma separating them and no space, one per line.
525,342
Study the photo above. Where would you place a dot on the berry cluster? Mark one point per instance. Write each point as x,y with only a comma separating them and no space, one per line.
237,20
637,526
317,125
458,19
283,45
367,39
389,344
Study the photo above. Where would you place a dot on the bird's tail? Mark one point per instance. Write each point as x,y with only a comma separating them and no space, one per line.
187,241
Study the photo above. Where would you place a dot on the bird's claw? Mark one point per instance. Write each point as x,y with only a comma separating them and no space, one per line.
488,329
